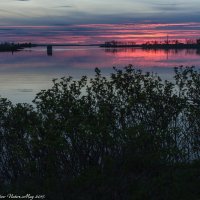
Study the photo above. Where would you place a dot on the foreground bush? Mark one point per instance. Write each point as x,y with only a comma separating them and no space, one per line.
129,136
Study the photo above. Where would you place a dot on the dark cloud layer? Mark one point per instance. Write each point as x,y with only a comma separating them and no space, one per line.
98,33
61,19
49,12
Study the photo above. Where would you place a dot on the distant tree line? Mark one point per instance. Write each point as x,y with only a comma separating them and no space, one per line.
175,42
6,46
166,43
172,44
130,136
119,43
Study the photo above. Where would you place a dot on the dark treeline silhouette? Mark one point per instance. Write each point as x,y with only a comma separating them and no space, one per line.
14,47
172,44
115,43
131,136
166,44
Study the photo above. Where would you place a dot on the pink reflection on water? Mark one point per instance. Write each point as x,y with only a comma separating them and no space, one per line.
31,70
66,58
155,58
106,58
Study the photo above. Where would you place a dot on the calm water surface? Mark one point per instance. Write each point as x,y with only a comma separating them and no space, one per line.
25,73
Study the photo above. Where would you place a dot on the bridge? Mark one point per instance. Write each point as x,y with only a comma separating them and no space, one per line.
50,46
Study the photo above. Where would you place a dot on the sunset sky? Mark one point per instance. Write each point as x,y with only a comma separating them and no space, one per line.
96,21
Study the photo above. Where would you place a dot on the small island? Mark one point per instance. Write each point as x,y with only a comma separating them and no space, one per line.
7,47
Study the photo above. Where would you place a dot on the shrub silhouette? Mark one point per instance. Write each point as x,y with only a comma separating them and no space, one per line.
127,136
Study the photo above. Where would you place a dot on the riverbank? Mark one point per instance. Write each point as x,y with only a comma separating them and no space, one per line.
155,46
16,47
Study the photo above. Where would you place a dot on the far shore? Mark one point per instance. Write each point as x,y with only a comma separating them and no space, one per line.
7,47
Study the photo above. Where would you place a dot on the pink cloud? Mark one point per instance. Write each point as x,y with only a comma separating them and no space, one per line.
99,33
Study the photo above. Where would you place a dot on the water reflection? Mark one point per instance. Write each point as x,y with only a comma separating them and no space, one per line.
156,51
26,72
49,50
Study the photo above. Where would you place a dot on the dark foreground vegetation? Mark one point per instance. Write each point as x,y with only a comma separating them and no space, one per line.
131,136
